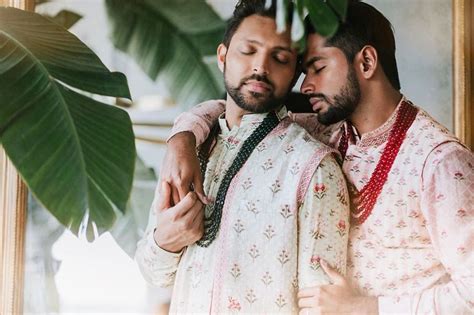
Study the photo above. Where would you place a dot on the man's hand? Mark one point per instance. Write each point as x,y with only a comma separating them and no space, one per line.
181,168
336,298
180,225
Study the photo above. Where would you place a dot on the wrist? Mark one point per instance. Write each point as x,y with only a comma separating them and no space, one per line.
166,247
182,139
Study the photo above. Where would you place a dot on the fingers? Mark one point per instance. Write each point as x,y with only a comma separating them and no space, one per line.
199,189
188,204
308,292
164,199
175,195
307,302
333,274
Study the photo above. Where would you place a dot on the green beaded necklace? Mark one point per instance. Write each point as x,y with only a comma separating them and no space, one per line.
213,221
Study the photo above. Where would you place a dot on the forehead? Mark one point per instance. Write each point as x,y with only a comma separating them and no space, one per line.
261,29
316,49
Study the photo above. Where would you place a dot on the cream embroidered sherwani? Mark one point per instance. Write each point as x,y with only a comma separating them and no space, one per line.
284,210
416,250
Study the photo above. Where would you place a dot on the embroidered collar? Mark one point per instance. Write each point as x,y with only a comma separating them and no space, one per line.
249,120
379,135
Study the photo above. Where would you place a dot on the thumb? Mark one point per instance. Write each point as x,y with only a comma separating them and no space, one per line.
164,198
334,275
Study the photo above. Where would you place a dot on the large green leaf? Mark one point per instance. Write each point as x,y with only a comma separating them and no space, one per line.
170,39
324,19
75,154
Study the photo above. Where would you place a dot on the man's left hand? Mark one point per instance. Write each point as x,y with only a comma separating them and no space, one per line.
336,298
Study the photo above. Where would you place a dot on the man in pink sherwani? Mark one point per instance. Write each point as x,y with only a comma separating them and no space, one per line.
411,238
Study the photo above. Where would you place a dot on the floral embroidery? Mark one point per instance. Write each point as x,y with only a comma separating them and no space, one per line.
251,297
234,304
315,262
319,191
238,226
235,271
283,257
275,187
254,252
280,301
269,232
341,228
285,211
267,278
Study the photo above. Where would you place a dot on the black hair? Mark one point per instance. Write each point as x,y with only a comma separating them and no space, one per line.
246,8
365,25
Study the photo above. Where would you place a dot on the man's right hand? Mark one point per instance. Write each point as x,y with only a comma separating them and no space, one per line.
181,168
180,225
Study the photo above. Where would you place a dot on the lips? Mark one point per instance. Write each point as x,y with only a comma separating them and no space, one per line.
258,86
316,103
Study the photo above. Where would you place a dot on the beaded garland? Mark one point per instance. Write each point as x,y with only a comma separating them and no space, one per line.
213,221
363,202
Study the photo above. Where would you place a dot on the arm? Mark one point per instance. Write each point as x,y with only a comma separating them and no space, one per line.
199,120
324,224
447,203
169,230
180,167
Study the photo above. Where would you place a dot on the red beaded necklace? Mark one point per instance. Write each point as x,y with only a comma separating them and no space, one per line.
363,202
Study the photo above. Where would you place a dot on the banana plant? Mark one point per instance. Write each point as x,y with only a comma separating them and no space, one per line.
75,153
172,40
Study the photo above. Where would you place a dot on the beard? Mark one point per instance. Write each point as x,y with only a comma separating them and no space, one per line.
343,103
255,102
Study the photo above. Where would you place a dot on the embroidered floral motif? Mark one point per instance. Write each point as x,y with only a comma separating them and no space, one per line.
235,271
238,226
283,257
280,301
254,252
250,296
285,211
246,184
319,190
315,262
341,228
275,187
267,278
269,232
234,304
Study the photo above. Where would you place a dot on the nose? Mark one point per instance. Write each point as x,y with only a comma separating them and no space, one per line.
307,87
260,64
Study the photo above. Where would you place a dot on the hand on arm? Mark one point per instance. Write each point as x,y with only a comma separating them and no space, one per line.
180,225
180,168
336,298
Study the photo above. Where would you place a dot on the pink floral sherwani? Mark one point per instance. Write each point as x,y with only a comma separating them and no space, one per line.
284,210
415,251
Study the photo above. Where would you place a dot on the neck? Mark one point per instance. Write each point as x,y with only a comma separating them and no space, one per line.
233,113
375,108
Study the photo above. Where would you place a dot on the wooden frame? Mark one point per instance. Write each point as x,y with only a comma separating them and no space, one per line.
13,191
463,59
13,205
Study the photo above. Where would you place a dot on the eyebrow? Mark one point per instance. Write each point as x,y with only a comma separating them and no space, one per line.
256,42
312,60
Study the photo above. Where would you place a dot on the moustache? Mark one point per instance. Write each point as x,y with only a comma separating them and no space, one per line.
257,77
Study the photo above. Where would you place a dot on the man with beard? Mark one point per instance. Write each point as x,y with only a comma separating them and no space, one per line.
275,212
411,181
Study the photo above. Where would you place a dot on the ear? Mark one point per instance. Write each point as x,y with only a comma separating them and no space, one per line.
367,61
221,53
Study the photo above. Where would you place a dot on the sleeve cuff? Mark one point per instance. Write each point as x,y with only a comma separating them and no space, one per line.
156,253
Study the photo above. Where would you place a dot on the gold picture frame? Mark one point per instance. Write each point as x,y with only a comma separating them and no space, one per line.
13,191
